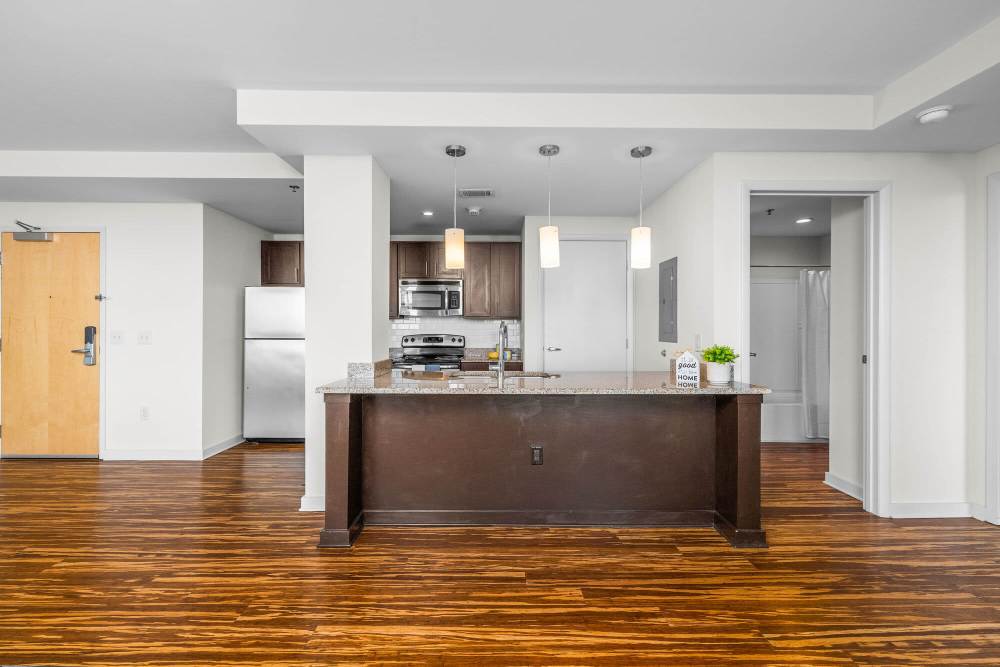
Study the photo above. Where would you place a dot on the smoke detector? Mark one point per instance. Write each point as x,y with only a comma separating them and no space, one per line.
471,193
474,210
934,114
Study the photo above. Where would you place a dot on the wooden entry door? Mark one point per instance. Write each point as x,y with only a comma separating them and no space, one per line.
50,397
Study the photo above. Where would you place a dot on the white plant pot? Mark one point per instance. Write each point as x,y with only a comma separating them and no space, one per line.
718,373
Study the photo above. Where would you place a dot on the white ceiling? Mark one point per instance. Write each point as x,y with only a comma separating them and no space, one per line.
785,211
160,76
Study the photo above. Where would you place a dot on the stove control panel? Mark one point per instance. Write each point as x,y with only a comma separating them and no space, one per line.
434,340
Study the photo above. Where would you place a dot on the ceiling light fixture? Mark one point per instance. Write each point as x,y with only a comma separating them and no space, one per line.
934,114
428,214
802,221
548,236
641,241
454,238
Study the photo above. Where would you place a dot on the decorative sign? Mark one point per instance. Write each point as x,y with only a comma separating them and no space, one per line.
687,370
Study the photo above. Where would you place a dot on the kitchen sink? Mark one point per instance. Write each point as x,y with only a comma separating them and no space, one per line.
491,375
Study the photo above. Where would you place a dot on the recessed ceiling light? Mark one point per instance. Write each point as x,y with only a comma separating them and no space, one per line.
934,114
428,214
802,221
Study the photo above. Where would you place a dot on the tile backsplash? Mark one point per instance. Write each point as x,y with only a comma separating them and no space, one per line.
478,333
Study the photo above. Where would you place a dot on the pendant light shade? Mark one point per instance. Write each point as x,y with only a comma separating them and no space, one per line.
548,236
640,241
454,238
548,246
454,248
641,248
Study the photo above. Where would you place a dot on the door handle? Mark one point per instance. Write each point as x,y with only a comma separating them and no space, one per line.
554,349
89,334
753,354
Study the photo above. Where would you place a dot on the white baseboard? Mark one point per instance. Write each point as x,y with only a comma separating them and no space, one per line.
982,512
150,455
312,504
842,485
212,450
929,510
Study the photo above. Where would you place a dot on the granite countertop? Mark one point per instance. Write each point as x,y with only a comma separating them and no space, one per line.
639,383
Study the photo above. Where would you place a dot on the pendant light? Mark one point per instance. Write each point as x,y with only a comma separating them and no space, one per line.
454,238
641,241
548,236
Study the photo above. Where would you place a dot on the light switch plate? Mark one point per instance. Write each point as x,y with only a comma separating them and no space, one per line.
145,338
117,337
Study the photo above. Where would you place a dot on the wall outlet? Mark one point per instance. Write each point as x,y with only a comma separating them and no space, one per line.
537,458
144,413
145,338
117,337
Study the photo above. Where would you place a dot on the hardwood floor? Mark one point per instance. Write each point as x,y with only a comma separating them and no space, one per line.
211,563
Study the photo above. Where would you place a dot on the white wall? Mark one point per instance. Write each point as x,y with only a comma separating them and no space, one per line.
152,257
979,348
531,285
930,229
847,307
347,291
682,226
231,262
789,250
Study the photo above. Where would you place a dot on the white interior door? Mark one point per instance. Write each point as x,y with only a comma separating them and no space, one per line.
585,304
774,337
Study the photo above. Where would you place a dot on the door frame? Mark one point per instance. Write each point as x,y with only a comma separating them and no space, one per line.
876,434
103,334
629,294
992,482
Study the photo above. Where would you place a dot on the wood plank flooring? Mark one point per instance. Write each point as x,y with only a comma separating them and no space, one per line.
211,564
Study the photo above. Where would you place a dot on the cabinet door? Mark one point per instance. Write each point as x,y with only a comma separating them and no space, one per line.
437,262
505,277
281,263
413,260
477,293
393,280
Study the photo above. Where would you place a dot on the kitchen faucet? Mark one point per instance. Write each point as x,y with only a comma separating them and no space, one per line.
502,349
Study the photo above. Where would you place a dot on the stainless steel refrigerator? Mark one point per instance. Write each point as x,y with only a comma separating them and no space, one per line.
274,363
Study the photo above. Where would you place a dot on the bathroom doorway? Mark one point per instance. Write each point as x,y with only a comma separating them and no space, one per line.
807,325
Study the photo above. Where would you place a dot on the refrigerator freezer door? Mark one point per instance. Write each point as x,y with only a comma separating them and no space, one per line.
274,389
275,312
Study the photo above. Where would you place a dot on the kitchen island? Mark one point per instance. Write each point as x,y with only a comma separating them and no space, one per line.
618,449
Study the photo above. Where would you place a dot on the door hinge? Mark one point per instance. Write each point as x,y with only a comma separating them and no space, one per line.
100,297
864,358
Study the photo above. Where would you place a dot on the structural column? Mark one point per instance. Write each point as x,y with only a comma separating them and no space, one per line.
347,285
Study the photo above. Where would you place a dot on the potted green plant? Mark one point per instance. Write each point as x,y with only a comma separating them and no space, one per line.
719,360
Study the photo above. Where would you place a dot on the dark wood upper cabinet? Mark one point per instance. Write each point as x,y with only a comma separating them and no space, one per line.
281,263
492,275
414,260
505,278
393,280
477,292
437,262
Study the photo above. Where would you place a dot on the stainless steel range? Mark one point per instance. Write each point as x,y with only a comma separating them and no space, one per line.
431,352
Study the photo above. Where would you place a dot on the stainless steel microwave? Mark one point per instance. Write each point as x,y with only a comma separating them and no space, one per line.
426,296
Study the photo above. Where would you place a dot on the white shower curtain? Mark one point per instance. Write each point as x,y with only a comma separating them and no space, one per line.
814,351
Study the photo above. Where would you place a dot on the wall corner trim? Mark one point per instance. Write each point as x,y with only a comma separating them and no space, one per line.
312,504
222,446
842,485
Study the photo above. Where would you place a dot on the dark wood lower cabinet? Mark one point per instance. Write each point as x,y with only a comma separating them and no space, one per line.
619,460
487,365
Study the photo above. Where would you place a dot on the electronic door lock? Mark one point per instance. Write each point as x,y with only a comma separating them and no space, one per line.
89,334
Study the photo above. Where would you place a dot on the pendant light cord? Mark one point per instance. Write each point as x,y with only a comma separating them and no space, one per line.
548,174
454,191
640,190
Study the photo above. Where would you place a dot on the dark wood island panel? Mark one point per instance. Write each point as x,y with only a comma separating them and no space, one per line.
621,460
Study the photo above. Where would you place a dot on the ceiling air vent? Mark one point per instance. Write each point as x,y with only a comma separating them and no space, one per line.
469,193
